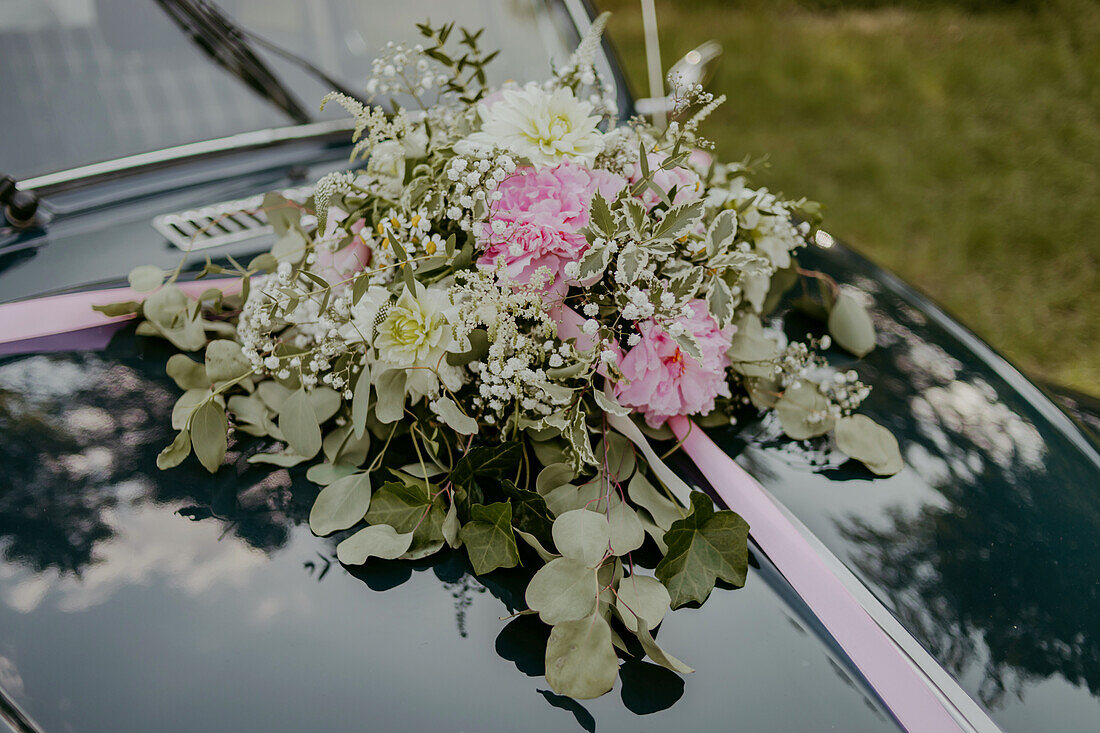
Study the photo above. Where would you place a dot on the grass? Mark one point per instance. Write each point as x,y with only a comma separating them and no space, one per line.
959,148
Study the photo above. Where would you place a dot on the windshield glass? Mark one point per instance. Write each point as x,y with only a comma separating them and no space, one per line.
90,80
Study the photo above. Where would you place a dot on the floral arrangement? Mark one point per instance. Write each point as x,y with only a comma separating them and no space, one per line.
477,338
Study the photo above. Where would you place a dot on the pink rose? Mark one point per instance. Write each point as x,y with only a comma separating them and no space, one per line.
341,265
688,185
662,381
538,220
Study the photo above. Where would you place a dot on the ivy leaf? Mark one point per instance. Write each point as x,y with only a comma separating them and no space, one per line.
490,461
869,443
703,547
391,396
641,597
804,412
583,536
208,434
563,590
529,511
851,325
580,659
174,454
224,360
341,504
488,537
377,540
298,423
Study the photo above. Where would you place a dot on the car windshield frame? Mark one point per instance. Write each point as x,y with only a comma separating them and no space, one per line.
577,14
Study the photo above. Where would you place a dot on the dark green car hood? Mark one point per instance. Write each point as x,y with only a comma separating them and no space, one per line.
134,599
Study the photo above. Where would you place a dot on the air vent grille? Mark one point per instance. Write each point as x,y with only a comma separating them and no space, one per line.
216,225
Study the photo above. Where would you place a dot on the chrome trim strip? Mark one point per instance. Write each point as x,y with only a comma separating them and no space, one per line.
130,163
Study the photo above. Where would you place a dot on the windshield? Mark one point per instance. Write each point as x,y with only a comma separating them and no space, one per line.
90,80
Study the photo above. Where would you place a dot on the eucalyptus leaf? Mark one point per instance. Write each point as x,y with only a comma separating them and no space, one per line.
283,459
146,278
326,401
616,453
298,423
661,508
324,474
174,454
533,542
224,361
850,324
390,389
869,443
641,596
208,434
804,412
659,655
625,529
583,536
341,504
187,373
563,590
553,476
450,414
580,659
360,402
377,540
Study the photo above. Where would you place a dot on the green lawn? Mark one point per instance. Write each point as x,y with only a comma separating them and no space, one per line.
960,149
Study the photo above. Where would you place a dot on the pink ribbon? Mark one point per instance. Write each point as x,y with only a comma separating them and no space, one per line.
893,677
39,317
883,664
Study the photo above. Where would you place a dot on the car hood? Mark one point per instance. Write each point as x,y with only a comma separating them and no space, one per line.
135,599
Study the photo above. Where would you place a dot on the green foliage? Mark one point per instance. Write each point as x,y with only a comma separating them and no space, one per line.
703,547
341,504
850,324
869,443
488,537
580,660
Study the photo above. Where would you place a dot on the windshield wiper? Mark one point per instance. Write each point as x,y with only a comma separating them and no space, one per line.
227,43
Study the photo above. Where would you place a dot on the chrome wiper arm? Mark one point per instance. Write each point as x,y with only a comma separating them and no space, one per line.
215,34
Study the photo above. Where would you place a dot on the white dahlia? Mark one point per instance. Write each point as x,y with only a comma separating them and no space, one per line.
544,127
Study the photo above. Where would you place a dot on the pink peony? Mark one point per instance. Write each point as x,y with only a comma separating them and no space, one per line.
662,381
688,185
537,223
